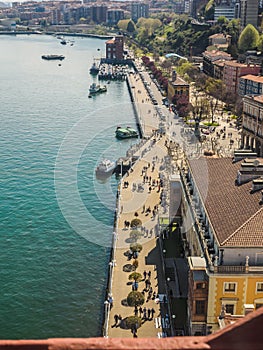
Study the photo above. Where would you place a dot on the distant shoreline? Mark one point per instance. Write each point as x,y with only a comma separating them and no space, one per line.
29,32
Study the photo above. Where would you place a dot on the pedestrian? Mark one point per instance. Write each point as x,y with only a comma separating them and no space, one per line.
136,310
149,274
144,313
140,311
120,319
144,274
143,208
149,313
116,319
152,312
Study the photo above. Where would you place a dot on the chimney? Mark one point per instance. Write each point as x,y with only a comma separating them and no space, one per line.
257,184
248,308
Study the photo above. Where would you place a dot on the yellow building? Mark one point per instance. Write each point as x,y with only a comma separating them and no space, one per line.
222,232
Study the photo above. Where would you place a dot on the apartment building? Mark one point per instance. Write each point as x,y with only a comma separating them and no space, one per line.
233,70
252,125
209,57
222,231
250,85
248,12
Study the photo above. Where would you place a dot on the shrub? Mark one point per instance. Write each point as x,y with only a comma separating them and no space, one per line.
136,247
136,276
133,322
135,235
136,223
135,298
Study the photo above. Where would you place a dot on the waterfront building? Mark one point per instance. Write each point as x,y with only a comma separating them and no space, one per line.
99,13
250,85
114,48
248,12
252,125
233,70
138,10
223,238
209,57
177,87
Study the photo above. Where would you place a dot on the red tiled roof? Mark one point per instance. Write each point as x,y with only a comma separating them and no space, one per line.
256,78
235,214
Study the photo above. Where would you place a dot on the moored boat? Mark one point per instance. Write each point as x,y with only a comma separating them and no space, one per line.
96,88
105,167
53,57
126,133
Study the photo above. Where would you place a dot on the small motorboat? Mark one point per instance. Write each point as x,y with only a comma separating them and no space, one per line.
105,167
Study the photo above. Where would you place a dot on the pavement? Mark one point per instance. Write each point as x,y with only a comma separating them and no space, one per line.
132,201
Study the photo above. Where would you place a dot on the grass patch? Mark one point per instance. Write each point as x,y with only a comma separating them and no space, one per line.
211,124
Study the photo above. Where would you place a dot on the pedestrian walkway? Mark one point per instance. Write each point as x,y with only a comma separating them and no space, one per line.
139,190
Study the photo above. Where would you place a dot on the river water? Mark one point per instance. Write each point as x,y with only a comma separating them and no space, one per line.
56,217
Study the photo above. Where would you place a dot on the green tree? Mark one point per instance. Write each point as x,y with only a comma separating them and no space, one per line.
248,39
136,247
135,298
123,24
131,27
133,322
135,276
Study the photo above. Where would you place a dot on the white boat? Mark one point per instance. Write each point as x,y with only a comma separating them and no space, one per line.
94,88
105,167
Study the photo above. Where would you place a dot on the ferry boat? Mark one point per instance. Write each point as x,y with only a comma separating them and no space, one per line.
96,88
53,57
126,133
105,167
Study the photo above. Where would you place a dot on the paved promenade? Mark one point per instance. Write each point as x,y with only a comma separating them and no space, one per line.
135,199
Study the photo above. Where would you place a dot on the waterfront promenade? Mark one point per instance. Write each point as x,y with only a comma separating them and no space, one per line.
134,200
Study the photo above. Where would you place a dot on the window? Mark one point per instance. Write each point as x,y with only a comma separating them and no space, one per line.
200,285
230,309
230,287
259,286
200,307
258,306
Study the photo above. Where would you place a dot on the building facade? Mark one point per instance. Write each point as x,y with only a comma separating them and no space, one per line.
250,85
114,48
233,70
223,239
177,87
252,126
138,10
248,12
209,57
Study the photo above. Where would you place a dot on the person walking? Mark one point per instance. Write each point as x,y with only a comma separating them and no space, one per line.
116,319
140,311
152,312
149,313
144,274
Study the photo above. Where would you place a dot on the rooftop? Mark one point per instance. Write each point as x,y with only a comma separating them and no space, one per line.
256,78
235,213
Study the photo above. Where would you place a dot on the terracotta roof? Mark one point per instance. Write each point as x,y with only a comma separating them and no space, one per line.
249,234
258,79
237,64
235,214
259,98
111,41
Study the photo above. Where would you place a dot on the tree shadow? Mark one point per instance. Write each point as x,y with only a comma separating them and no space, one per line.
124,302
128,268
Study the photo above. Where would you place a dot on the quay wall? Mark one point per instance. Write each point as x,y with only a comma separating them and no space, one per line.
138,123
